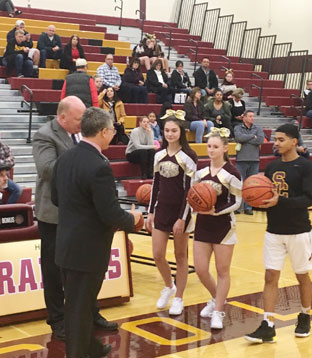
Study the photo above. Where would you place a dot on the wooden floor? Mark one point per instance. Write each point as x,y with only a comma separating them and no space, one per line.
247,280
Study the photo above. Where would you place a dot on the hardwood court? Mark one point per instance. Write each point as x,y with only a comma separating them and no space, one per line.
146,332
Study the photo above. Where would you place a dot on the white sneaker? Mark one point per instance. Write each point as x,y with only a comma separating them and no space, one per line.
217,320
208,309
165,295
176,306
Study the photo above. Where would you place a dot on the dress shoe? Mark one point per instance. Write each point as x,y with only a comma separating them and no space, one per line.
103,324
59,333
248,212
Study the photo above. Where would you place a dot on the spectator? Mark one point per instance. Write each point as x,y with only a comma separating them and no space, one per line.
98,83
180,80
7,5
16,56
308,107
238,107
109,101
141,148
34,53
81,85
3,179
194,115
133,83
228,86
109,73
7,162
143,52
155,128
308,88
249,138
205,78
158,53
158,82
218,111
72,51
50,46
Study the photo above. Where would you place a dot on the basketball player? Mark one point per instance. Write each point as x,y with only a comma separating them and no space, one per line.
288,231
215,230
174,168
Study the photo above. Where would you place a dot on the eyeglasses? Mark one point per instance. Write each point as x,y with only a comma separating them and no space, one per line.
113,129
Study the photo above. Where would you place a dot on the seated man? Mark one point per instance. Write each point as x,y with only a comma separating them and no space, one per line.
6,163
49,45
16,56
205,78
33,53
109,73
308,107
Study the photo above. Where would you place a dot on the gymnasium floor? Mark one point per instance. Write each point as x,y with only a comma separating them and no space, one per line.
146,332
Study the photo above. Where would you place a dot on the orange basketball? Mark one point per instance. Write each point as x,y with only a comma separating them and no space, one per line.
202,197
257,188
139,226
143,194
130,246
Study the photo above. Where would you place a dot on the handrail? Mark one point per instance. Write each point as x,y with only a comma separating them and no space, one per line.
170,37
24,87
120,8
143,19
196,52
223,68
260,88
228,61
292,97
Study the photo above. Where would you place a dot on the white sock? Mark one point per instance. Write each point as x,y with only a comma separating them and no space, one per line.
305,310
269,317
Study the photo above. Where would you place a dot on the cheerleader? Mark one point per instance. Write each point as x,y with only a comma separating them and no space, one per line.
215,230
174,168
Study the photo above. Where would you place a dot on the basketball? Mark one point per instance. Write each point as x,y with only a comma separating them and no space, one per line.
143,194
130,246
139,226
202,197
257,188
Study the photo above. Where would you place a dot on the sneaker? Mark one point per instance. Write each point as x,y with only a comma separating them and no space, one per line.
264,334
176,306
208,309
165,295
248,212
303,325
217,320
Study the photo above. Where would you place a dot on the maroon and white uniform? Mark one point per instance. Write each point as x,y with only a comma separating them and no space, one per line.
172,180
219,228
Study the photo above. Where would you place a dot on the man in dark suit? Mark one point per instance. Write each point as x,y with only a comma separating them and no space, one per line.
205,78
83,188
52,140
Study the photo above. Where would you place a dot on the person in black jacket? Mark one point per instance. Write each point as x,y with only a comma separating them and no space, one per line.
132,86
72,51
16,56
50,46
158,82
205,78
308,107
180,80
83,189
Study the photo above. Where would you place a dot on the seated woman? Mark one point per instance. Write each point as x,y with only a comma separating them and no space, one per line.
144,52
158,82
237,107
141,148
158,53
109,101
133,83
72,51
180,80
228,86
218,111
98,83
194,115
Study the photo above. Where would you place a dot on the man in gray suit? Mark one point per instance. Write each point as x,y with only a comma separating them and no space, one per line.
53,139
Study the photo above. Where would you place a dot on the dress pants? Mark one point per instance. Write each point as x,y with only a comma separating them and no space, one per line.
81,290
144,157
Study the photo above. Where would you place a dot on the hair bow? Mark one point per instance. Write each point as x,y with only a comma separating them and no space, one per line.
222,132
150,36
178,114
228,70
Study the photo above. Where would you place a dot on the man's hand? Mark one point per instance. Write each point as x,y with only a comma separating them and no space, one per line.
55,48
268,203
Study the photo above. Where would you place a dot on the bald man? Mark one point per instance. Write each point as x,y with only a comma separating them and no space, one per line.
49,45
53,139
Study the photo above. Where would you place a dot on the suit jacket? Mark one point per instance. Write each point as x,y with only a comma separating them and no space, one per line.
49,143
201,79
152,80
83,187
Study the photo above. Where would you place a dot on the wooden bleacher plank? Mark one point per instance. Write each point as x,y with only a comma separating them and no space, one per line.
38,23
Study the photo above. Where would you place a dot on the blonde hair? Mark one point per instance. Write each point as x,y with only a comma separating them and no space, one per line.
224,140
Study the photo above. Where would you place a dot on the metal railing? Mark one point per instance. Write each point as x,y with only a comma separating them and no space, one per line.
170,38
30,105
143,20
196,52
301,101
121,9
260,90
228,61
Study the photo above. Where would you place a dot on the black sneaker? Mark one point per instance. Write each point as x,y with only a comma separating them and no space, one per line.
264,334
303,325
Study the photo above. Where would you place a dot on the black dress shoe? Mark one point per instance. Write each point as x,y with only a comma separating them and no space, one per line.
102,323
59,333
248,212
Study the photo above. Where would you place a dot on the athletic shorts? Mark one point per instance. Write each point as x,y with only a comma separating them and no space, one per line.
299,248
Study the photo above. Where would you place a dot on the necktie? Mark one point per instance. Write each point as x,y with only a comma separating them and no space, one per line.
74,139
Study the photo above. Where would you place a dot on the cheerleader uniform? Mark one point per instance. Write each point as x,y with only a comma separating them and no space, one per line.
172,180
219,228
